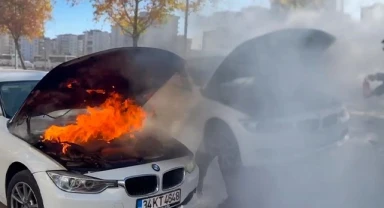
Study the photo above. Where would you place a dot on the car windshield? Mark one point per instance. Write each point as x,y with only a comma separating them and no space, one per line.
13,95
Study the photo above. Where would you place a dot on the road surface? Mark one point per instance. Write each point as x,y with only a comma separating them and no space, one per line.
347,176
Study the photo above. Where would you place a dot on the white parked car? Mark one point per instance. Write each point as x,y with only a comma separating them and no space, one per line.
146,169
264,105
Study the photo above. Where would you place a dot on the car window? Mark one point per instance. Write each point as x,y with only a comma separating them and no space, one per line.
13,94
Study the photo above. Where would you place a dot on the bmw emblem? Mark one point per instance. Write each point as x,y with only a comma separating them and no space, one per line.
155,167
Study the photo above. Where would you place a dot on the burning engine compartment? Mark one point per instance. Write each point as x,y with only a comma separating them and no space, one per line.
101,122
99,155
108,136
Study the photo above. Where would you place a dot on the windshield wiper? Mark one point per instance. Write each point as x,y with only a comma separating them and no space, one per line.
53,117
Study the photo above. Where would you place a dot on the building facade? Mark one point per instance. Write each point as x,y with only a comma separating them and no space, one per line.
372,13
67,44
96,40
27,48
327,5
119,39
162,35
5,44
80,45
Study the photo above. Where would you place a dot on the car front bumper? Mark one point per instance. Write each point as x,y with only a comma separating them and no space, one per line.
53,197
278,149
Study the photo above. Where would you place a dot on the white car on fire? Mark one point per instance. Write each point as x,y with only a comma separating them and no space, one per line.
144,169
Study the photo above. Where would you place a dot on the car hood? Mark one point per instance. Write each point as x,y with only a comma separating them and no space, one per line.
135,73
271,54
274,69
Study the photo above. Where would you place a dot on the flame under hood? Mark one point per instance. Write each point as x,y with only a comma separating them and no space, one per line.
102,92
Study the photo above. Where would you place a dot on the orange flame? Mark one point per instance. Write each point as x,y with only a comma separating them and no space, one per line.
65,148
70,83
112,119
96,91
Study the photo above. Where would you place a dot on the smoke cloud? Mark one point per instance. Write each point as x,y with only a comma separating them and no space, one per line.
345,174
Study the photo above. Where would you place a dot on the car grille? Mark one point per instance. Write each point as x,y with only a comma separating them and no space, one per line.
173,178
141,185
330,120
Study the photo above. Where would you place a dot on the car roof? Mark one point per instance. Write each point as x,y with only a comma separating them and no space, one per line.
9,75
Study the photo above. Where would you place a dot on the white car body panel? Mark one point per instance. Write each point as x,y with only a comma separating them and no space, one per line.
253,144
16,150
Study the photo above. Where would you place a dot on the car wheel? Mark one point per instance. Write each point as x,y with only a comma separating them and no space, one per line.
221,142
23,191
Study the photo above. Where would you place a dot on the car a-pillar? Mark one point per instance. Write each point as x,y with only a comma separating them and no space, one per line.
218,141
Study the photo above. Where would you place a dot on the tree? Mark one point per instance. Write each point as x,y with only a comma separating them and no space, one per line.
24,18
299,4
134,17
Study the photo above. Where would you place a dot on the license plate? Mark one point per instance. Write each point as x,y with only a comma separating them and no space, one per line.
161,201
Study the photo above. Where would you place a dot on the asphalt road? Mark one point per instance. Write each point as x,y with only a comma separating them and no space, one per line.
345,176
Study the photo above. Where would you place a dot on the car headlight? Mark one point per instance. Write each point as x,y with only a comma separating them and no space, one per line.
75,183
190,167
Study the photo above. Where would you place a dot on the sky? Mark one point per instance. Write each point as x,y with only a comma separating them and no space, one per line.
75,20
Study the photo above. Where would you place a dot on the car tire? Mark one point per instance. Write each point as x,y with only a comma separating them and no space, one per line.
24,184
218,141
221,142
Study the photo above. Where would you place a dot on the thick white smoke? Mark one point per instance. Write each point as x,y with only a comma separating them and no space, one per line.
350,175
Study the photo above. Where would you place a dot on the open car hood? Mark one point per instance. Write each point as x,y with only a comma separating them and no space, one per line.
280,65
135,73
263,55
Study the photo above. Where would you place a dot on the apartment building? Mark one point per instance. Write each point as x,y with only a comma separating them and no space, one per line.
96,40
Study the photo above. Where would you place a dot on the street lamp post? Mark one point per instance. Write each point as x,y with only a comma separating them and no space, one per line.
45,58
45,54
16,67
186,28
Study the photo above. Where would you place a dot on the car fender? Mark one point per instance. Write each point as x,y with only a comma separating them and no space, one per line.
15,150
193,132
